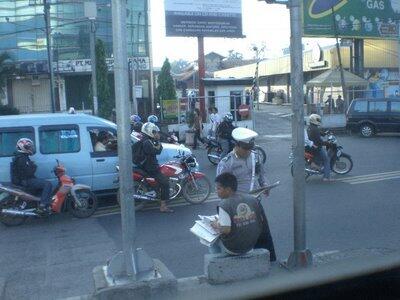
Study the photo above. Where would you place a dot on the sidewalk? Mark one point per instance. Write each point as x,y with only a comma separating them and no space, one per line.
331,270
334,122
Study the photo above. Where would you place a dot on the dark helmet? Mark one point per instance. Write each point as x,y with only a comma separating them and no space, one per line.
137,126
228,117
135,118
25,145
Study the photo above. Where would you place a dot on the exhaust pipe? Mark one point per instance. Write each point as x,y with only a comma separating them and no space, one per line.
18,213
313,172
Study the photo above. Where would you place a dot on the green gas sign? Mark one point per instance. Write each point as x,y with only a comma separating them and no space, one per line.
351,18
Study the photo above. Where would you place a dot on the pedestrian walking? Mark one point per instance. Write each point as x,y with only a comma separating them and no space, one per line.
250,174
340,104
198,127
330,103
215,120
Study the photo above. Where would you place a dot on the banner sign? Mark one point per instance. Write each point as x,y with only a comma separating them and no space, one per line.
208,18
170,109
85,65
353,19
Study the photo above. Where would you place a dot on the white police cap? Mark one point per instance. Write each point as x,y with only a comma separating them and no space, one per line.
244,135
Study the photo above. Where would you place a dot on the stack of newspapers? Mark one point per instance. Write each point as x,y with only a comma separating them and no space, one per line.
202,228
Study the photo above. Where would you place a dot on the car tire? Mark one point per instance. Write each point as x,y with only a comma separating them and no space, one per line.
367,130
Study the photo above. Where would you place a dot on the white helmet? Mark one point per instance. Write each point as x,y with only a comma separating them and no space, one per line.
315,119
244,137
150,129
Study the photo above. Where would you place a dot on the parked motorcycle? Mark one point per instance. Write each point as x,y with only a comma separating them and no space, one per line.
17,203
184,179
214,151
340,162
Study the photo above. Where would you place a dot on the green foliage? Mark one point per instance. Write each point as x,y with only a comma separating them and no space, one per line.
106,104
8,110
166,87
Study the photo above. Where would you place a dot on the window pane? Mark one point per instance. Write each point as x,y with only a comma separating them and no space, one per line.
377,106
59,141
8,140
360,106
103,139
396,107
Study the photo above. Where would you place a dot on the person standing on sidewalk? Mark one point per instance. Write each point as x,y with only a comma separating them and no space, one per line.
198,127
250,174
215,119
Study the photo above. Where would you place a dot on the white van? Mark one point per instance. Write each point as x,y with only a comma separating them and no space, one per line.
70,138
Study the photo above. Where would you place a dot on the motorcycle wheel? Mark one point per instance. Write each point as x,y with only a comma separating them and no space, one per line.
213,151
196,191
140,189
260,153
342,165
11,220
89,201
306,175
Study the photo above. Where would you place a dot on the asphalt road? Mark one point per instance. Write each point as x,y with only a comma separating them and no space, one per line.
48,259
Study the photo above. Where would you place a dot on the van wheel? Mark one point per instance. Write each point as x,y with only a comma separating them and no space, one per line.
367,130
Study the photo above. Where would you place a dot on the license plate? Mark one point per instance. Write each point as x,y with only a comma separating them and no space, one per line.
338,153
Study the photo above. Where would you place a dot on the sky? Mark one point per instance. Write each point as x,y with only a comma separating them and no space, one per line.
263,25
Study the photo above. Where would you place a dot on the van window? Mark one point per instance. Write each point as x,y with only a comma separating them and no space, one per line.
395,106
10,136
360,106
103,139
377,106
59,139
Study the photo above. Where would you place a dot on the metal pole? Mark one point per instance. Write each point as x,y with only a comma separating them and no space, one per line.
124,150
46,7
300,257
342,81
93,64
398,51
202,74
150,51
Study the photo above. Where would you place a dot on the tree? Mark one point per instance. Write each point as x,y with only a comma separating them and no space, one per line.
178,66
166,87
103,87
234,56
7,68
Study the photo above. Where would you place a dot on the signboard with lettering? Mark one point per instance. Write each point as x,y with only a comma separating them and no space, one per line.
85,65
355,18
209,18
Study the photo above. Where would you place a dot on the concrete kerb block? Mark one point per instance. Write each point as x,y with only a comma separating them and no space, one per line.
220,268
165,286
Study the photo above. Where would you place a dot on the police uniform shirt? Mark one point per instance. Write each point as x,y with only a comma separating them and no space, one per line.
242,168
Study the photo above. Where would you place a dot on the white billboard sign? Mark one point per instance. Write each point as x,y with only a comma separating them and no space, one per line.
214,18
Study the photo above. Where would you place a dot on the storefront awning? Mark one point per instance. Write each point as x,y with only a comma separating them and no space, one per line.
332,78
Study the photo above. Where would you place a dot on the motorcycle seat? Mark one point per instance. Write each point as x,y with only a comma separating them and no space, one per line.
140,171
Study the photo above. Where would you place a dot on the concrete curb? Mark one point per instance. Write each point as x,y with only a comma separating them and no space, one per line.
2,288
164,287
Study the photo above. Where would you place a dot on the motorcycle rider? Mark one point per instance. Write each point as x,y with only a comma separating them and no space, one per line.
314,135
23,172
151,148
224,134
136,126
250,174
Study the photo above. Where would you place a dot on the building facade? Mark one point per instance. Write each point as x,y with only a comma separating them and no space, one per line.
23,36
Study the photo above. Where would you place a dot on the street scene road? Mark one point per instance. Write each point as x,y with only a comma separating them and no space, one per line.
54,258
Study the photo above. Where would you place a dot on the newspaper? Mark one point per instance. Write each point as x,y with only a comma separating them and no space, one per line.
204,231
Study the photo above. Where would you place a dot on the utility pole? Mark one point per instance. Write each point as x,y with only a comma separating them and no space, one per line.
300,257
202,74
342,81
94,63
256,84
90,9
46,8
131,263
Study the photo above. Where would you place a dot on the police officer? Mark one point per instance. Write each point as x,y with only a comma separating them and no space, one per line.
249,171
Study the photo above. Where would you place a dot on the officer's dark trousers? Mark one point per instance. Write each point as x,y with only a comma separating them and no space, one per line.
265,240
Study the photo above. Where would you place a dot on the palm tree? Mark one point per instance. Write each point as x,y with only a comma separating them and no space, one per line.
7,68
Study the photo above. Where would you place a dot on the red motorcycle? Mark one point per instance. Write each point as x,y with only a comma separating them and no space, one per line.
16,204
184,179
